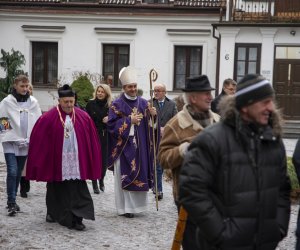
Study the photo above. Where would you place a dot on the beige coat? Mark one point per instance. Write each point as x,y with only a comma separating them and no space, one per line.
178,133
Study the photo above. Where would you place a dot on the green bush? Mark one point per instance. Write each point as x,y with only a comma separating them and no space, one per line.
292,174
11,63
84,90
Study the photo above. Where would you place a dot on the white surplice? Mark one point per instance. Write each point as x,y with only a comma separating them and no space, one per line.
128,201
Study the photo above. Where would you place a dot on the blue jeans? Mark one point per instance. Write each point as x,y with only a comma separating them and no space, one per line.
159,172
15,165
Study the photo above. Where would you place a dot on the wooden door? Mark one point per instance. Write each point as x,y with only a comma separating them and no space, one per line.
287,87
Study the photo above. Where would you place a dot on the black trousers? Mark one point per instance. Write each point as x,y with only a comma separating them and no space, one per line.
24,185
68,199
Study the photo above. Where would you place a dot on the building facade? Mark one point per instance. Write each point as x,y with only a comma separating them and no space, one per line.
62,39
263,36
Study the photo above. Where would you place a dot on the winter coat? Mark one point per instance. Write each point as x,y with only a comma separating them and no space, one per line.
180,129
234,184
215,102
97,110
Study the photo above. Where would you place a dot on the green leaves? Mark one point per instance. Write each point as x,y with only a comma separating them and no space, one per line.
11,62
84,90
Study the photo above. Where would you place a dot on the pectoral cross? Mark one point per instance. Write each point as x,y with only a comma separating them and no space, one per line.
136,112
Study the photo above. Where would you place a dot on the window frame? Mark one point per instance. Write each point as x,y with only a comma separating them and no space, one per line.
188,62
248,46
116,84
45,46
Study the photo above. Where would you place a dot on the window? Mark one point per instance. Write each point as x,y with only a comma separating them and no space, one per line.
44,63
247,60
188,63
115,57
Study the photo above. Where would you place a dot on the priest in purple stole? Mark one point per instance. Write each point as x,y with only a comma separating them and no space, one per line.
131,155
64,152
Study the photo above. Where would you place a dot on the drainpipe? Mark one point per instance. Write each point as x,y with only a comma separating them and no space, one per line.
218,59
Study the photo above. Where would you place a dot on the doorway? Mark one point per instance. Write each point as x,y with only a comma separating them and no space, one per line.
287,81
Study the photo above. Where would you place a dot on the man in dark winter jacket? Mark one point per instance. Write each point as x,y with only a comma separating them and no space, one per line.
229,88
296,162
233,181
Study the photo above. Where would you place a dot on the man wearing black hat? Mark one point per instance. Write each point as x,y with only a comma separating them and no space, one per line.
233,182
64,152
179,132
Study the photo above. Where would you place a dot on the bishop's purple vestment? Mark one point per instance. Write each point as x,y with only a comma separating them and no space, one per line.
134,151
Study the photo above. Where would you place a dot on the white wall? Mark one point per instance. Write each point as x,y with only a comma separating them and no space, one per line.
80,46
268,37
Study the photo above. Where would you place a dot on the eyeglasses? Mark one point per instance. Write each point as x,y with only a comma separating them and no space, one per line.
158,90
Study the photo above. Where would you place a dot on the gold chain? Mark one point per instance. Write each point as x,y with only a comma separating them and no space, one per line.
62,121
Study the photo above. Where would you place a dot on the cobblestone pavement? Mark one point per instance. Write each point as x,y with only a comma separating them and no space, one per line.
148,231
28,230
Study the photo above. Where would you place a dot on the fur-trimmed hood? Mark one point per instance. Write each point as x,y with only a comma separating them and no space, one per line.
231,115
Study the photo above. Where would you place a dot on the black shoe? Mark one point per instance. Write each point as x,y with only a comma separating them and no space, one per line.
24,195
77,223
101,185
96,191
79,226
160,196
129,215
49,218
95,187
17,207
12,209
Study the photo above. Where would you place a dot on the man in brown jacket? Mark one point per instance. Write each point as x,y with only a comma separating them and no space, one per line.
179,132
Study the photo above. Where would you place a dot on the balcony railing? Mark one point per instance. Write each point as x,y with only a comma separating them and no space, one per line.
265,10
201,3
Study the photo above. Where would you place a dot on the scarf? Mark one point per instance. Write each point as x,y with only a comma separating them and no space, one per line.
203,118
19,97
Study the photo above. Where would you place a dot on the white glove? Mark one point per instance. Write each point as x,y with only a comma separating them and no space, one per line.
183,147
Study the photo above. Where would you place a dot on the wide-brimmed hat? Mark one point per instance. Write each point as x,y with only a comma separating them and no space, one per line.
197,84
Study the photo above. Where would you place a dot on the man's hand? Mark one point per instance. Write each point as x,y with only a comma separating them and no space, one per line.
162,131
152,110
136,118
105,119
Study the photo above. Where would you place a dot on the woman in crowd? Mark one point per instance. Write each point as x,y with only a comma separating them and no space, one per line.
97,108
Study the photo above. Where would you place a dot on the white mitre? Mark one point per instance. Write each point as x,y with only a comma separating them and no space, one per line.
128,75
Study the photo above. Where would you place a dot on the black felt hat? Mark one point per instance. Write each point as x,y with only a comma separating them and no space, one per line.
197,84
252,88
66,91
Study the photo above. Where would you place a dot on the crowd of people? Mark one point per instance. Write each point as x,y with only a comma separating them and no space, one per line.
225,156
